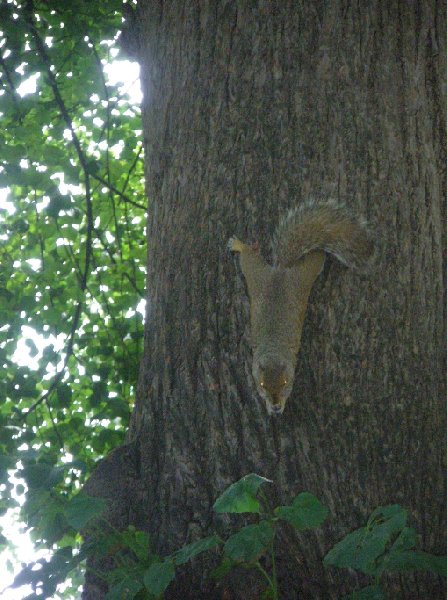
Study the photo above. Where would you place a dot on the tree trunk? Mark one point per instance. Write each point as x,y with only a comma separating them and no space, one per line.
250,107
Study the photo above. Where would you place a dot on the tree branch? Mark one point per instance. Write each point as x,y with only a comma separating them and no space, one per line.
116,191
15,97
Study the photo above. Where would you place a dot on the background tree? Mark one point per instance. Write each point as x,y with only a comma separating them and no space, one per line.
72,255
249,107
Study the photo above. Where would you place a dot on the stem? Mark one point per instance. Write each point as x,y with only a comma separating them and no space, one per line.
274,579
266,575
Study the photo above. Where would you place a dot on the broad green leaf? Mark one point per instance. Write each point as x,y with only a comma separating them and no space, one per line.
124,590
248,544
356,551
223,568
372,592
406,540
240,497
64,394
43,475
362,548
191,550
305,512
387,520
82,508
158,577
406,561
138,542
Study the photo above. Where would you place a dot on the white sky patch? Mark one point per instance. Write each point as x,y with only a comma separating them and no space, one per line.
23,551
141,307
117,149
64,188
128,73
22,355
34,263
4,203
29,86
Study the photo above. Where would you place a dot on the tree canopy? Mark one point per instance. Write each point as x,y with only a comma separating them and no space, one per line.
72,256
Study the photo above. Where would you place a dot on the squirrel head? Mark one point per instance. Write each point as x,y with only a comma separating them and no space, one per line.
274,379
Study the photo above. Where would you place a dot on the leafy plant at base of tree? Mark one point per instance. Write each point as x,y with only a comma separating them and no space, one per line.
385,544
139,573
246,547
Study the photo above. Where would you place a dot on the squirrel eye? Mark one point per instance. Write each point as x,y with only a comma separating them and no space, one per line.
262,384
285,382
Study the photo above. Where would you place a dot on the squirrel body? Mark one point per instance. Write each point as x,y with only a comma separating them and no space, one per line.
279,293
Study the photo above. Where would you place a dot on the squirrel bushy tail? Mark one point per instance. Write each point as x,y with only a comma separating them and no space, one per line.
324,226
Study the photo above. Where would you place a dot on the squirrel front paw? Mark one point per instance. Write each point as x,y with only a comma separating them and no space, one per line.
235,245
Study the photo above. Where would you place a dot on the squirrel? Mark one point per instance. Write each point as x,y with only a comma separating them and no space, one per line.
279,293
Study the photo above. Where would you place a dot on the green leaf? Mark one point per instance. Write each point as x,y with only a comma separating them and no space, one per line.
124,590
82,508
138,542
20,489
406,540
387,520
407,561
372,592
158,577
32,347
42,475
305,512
356,551
240,497
191,550
223,568
248,544
362,548
64,394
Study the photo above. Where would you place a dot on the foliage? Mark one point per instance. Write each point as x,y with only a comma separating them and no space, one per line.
72,253
385,544
247,546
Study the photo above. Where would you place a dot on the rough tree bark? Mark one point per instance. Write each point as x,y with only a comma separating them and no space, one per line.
250,106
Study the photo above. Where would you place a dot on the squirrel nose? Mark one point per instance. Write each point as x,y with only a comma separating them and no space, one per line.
276,409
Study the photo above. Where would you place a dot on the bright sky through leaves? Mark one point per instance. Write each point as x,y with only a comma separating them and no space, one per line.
119,72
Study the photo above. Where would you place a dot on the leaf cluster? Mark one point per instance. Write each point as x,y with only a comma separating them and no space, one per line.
245,547
72,250
385,544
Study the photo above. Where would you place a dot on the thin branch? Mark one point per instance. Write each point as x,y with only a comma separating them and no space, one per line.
106,247
116,191
107,182
15,96
132,167
53,422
